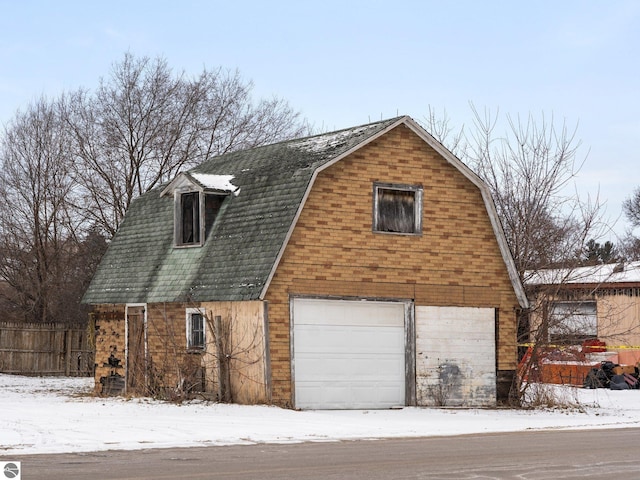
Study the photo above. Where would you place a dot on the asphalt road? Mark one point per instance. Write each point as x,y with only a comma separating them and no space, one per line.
550,455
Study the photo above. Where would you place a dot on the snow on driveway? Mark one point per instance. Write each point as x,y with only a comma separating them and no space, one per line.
52,415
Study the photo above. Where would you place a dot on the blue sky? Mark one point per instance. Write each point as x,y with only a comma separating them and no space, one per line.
344,63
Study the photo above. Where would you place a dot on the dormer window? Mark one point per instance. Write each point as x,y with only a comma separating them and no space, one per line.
188,223
195,213
197,201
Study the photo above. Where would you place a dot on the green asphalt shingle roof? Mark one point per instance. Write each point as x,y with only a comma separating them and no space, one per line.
240,253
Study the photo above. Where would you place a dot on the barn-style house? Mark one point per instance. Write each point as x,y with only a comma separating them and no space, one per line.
362,268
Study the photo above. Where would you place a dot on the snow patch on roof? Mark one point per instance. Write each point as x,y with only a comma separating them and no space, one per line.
597,274
215,182
320,143
187,181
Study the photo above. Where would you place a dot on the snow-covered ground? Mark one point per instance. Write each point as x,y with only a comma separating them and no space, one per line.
49,415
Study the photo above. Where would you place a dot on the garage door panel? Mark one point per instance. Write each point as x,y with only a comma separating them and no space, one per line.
332,339
333,368
343,312
335,397
348,354
462,363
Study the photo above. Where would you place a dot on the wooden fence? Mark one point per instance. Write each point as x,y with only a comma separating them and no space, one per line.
45,349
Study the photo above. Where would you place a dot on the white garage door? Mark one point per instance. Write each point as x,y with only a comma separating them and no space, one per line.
455,356
348,354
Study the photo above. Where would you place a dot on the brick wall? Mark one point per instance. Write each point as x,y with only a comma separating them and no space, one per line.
166,340
110,339
168,362
333,251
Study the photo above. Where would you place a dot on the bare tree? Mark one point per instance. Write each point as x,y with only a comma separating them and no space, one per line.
38,225
70,168
145,123
530,170
631,208
630,244
630,247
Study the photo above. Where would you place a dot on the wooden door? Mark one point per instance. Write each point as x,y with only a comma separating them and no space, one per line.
136,359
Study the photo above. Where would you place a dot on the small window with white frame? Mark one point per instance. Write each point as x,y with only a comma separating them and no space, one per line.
397,208
195,329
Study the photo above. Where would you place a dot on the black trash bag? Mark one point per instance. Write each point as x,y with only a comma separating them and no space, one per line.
607,367
618,383
600,377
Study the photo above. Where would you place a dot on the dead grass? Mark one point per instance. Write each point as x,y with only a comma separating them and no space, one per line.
548,397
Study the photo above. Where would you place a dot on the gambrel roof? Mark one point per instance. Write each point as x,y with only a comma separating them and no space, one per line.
267,189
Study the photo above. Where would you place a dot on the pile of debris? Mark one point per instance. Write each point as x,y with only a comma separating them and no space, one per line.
613,376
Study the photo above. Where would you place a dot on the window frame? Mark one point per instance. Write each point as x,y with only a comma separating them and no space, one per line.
209,205
569,321
178,223
191,346
418,193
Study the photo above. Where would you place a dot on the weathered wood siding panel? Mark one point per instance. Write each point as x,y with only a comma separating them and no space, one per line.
333,250
245,326
455,356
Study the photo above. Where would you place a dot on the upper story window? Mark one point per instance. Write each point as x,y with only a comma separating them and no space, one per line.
195,213
197,202
189,221
397,208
